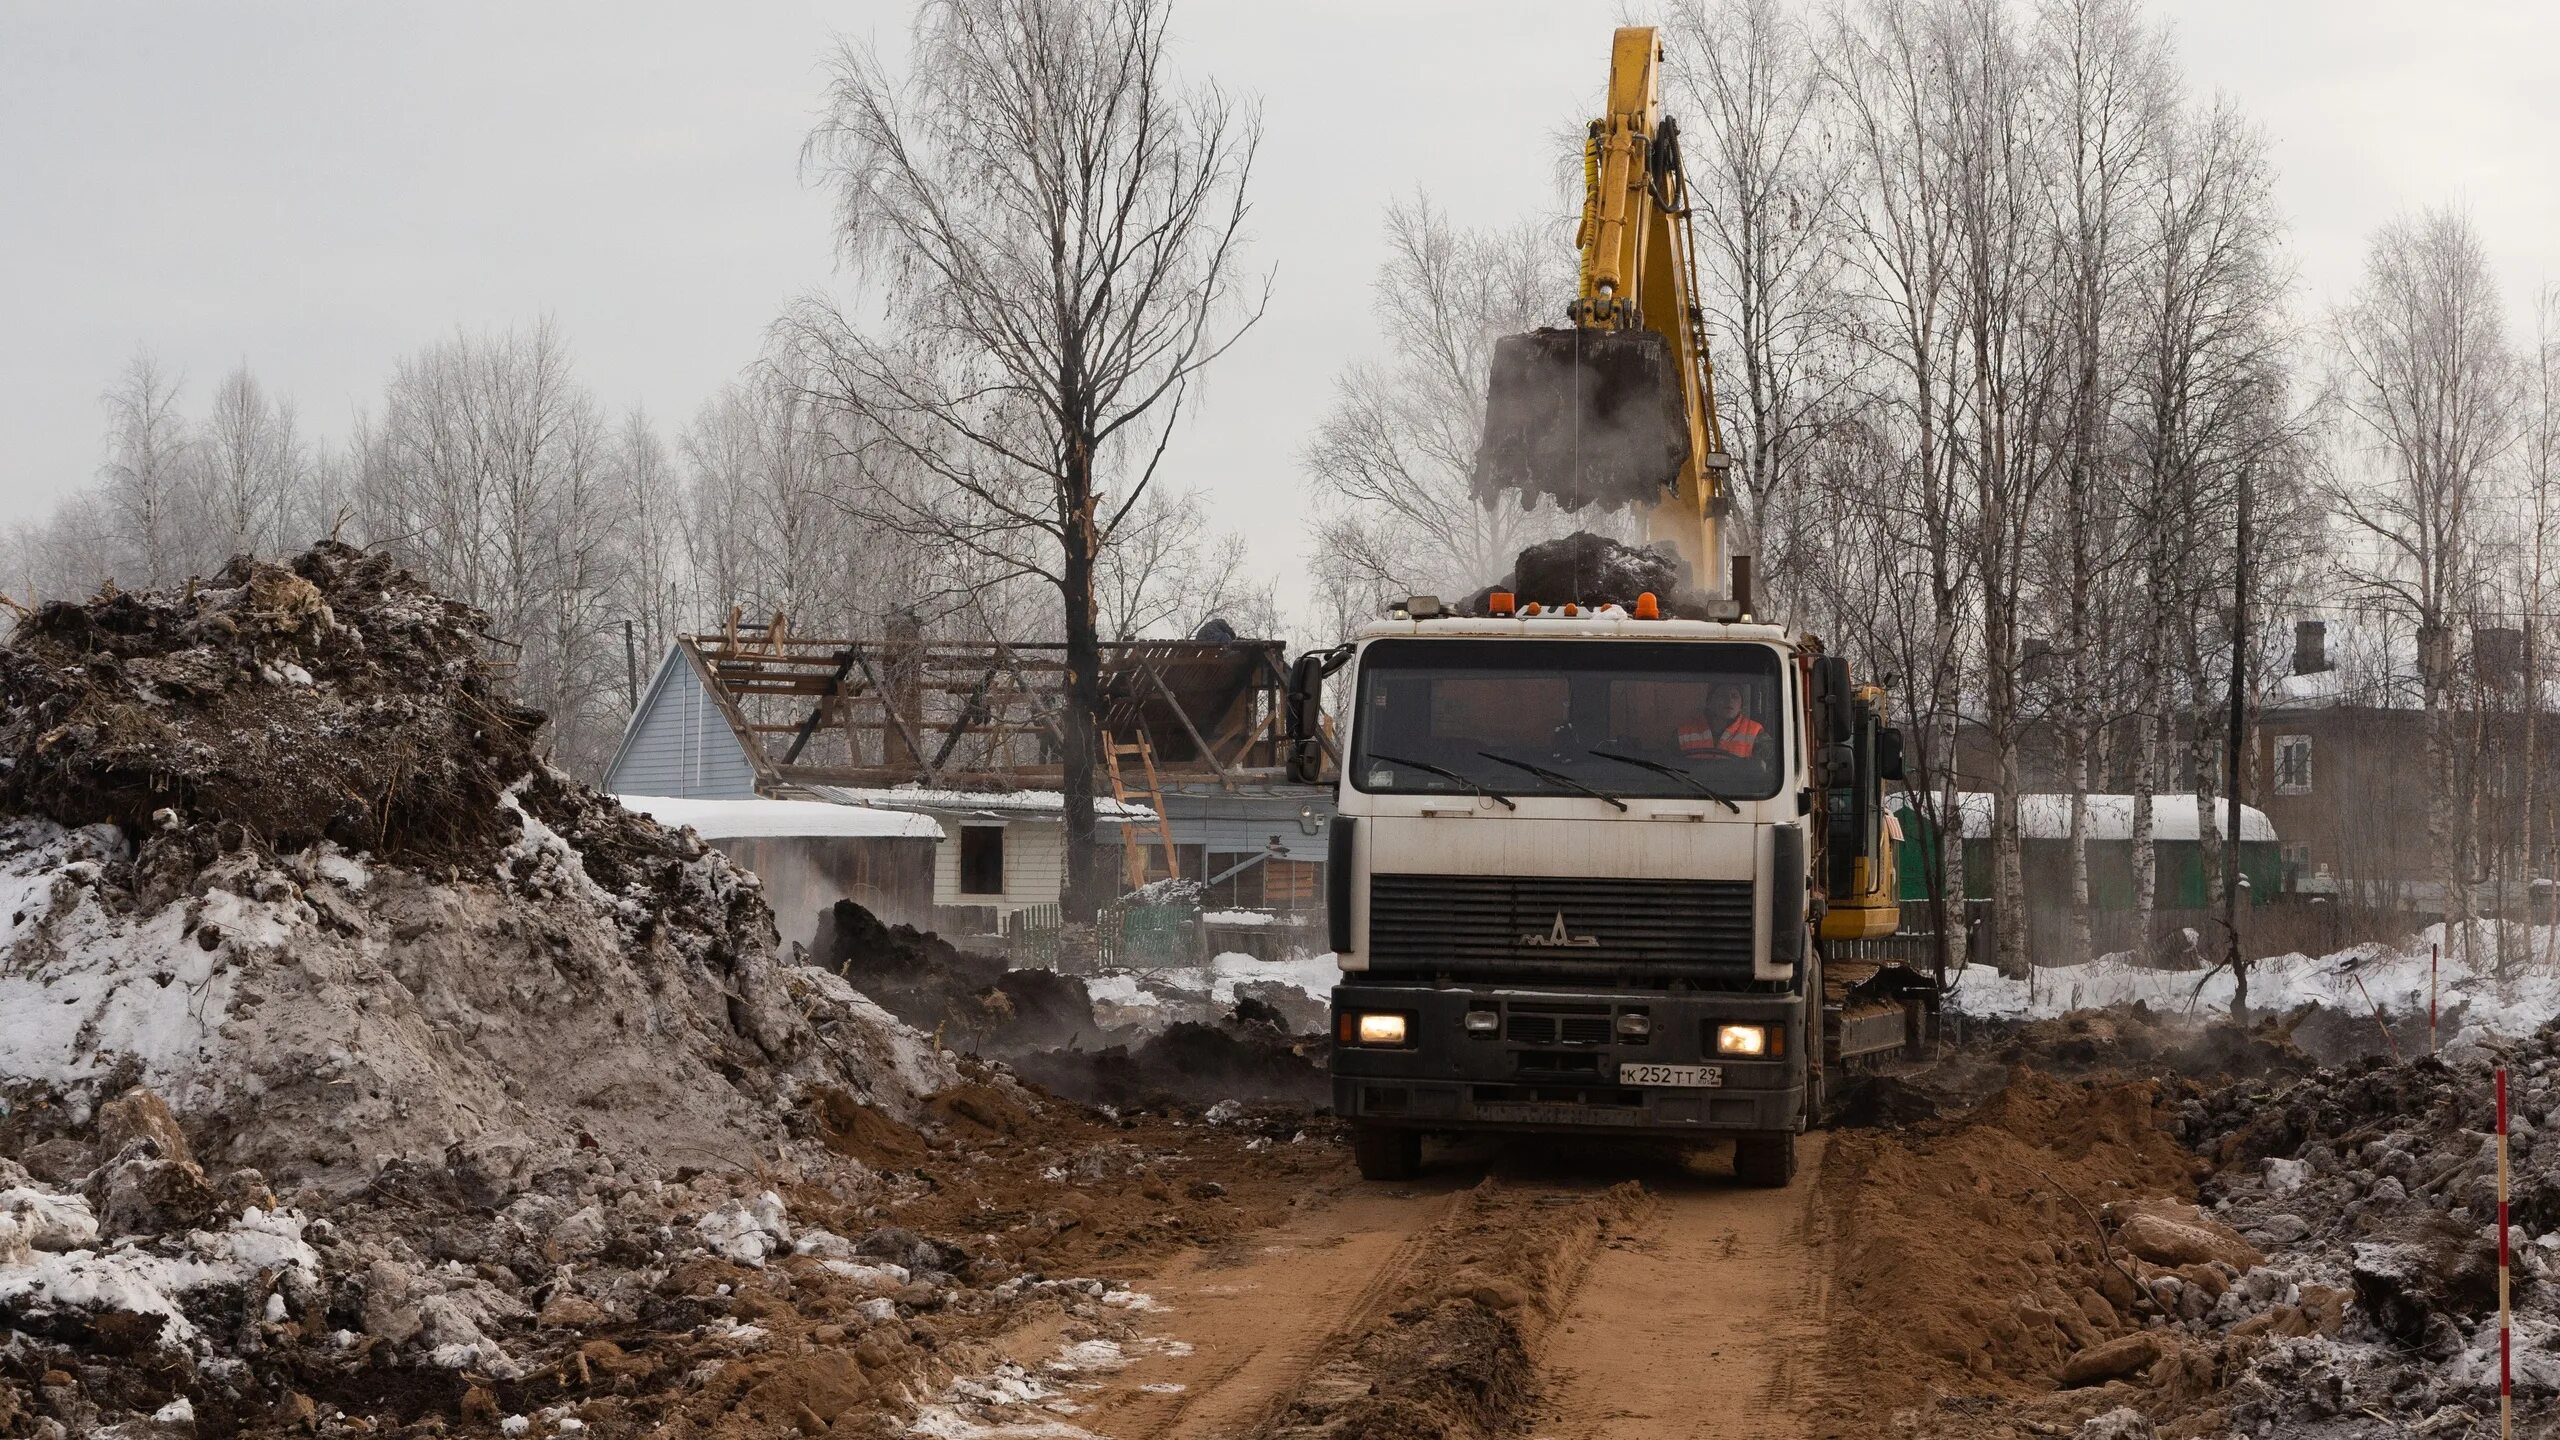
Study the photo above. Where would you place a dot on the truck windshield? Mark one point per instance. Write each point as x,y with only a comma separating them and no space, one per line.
1657,719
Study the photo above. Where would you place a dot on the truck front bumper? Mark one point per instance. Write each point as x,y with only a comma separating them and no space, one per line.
1553,1061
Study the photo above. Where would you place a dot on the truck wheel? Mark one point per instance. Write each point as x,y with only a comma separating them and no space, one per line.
1387,1154
1765,1161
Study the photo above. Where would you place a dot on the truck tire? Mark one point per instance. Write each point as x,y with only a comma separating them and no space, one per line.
1387,1154
1766,1162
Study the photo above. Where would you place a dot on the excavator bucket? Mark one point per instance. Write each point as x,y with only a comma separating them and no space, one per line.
1583,417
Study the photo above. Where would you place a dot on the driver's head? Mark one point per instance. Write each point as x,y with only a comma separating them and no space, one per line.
1724,702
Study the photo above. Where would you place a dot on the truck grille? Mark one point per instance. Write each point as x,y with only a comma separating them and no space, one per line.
1530,925
1537,1029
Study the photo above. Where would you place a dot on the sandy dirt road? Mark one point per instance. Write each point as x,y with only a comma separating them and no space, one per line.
1601,1298
1707,1323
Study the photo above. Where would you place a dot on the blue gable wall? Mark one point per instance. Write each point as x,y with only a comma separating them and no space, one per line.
677,743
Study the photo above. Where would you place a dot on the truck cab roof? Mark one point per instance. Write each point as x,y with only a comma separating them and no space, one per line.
1608,623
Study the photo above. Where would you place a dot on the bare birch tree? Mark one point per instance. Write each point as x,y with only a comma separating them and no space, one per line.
1889,70
1052,224
144,489
2421,367
252,464
1770,186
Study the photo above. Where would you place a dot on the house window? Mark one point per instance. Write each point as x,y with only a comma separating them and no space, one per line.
2293,764
2297,864
981,859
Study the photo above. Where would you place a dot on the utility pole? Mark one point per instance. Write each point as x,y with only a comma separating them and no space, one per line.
2231,758
630,665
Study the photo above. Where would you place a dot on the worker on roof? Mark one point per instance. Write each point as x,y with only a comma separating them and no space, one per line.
1724,730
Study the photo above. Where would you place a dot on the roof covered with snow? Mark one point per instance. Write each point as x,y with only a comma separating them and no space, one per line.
2048,817
993,802
750,819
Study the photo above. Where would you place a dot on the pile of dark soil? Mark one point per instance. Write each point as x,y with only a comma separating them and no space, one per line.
1591,570
1041,1024
971,1000
1247,1059
331,697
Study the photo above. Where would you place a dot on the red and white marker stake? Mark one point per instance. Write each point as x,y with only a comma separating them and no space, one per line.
2434,953
2506,1369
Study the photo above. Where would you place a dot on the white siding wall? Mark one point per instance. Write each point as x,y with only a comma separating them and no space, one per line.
678,744
1035,860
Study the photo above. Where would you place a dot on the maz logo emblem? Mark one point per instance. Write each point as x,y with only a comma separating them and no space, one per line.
1558,938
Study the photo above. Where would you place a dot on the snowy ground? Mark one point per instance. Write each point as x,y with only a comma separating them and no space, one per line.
2469,993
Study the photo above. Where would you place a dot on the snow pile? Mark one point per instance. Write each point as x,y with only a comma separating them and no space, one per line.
2471,999
1300,988
314,1021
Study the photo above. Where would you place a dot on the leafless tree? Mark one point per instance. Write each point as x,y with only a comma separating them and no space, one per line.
2431,391
145,492
1392,459
1888,65
2207,358
252,463
486,468
2104,75
1771,182
1052,224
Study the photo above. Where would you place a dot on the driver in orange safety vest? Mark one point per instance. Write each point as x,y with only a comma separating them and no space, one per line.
1725,730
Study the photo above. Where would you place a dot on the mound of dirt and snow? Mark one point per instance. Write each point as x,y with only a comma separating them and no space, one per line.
277,848
2204,1234
282,852
974,1001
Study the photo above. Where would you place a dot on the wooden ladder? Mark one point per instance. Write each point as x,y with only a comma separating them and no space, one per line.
1132,852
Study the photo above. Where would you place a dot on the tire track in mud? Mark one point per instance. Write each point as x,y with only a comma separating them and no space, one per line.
1707,1324
1258,1317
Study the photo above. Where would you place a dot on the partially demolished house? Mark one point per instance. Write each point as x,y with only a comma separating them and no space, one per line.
1190,763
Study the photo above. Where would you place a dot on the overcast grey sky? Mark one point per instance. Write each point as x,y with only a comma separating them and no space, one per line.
317,189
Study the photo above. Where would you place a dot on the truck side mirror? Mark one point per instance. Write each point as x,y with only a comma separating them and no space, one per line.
1831,700
1889,754
1306,719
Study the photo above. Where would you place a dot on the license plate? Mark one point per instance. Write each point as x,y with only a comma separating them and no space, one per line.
1692,1077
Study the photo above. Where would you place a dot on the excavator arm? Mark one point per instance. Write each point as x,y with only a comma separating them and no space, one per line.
1617,407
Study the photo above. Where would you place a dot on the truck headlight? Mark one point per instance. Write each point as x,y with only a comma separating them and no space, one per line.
1742,1039
1375,1029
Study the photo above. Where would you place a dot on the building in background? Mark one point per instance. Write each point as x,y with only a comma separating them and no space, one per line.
1192,777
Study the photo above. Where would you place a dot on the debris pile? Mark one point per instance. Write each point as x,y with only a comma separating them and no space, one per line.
361,1074
2380,1180
973,1000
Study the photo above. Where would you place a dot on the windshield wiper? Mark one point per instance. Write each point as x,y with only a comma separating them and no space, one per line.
1554,776
1427,768
1683,776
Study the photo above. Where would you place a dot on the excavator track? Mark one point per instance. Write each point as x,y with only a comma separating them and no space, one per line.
1872,1008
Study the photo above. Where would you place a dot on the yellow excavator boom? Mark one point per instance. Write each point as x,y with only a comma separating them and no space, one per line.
1617,407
